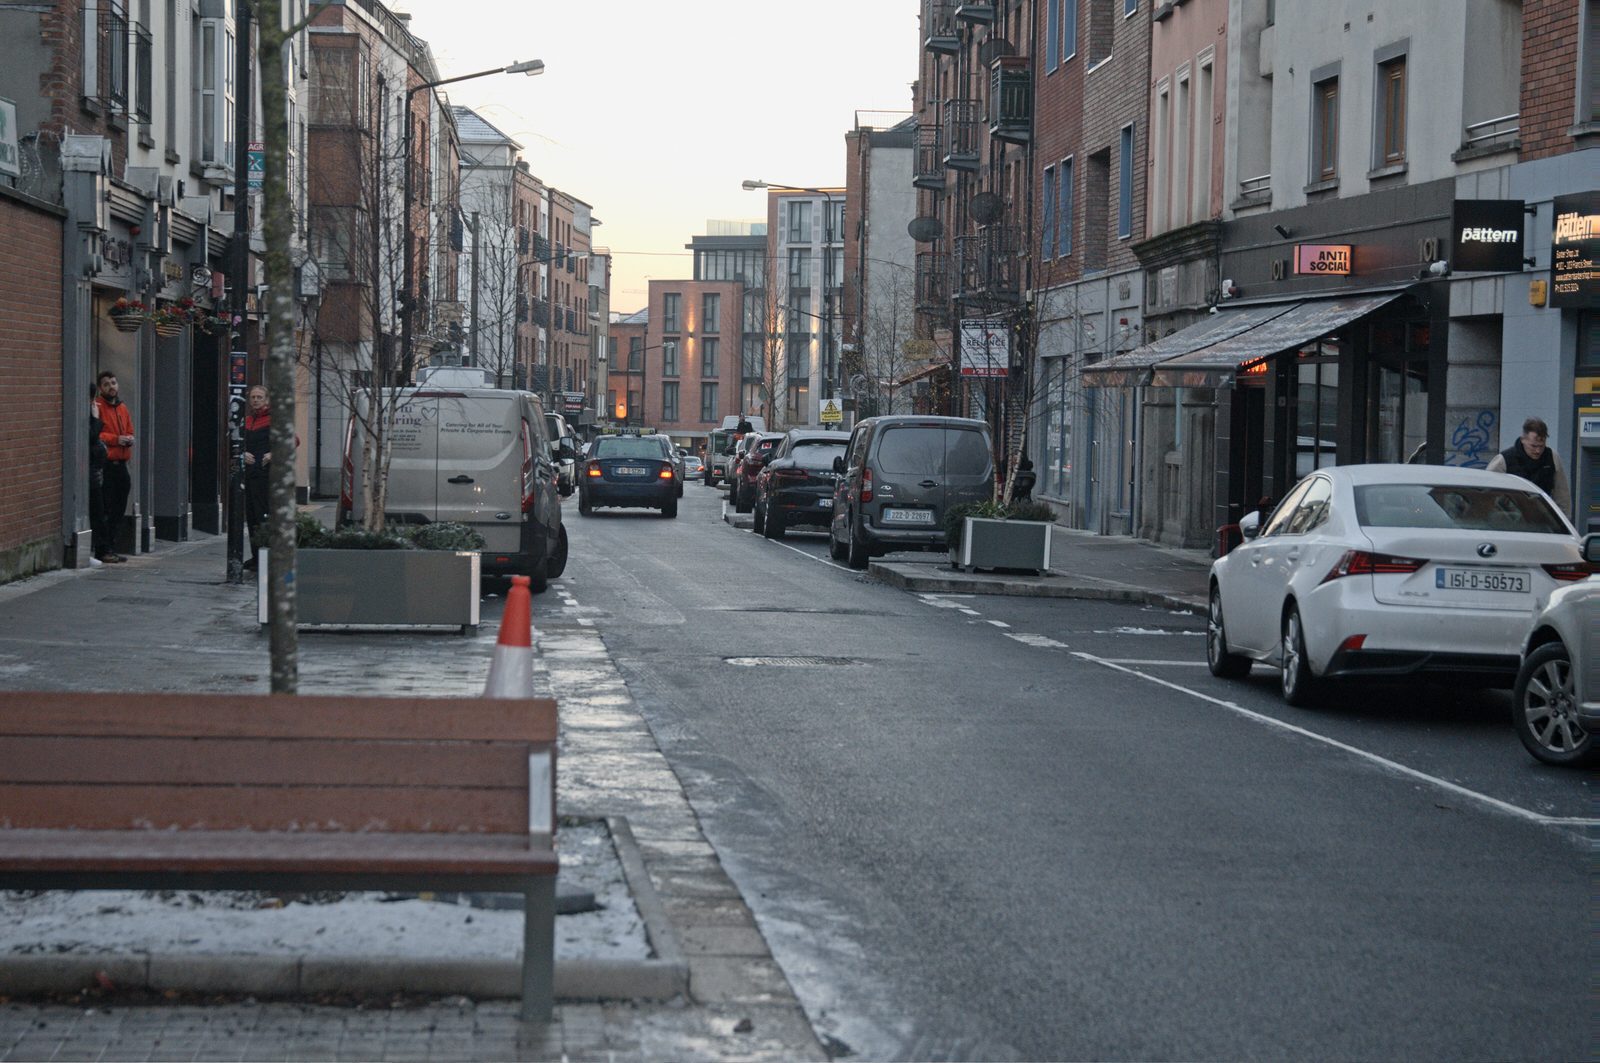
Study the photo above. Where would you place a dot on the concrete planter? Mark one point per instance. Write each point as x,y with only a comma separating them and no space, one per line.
382,588
986,543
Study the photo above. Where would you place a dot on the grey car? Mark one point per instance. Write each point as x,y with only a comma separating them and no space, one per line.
899,476
1556,706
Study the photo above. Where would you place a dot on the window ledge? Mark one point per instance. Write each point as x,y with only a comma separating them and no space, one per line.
1483,151
1097,64
173,157
1315,187
1395,170
145,139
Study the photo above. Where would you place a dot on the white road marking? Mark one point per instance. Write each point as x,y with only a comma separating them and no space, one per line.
1164,664
1383,762
997,623
1036,640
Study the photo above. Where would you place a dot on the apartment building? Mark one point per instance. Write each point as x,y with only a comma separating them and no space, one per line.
564,363
881,359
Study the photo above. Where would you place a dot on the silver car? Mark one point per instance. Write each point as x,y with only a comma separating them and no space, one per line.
1557,701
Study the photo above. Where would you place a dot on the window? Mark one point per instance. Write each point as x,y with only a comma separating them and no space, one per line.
635,354
1100,24
1178,184
754,303
708,402
669,358
1096,207
1047,237
710,313
1125,185
1052,35
799,268
799,211
834,232
332,231
671,312
751,359
669,400
1325,130
1204,108
1069,28
611,349
170,27
1312,511
1129,7
1064,208
798,407
105,54
709,350
1390,127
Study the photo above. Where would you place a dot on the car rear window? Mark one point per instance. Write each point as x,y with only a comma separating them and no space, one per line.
1456,507
817,454
918,451
629,447
966,452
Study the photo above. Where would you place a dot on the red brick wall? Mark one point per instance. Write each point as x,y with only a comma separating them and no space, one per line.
691,338
61,31
1549,76
1058,134
1116,93
30,366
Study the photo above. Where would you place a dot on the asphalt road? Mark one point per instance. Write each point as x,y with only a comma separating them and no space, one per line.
1009,828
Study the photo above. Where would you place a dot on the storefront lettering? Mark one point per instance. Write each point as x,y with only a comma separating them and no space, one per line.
1490,236
1327,259
116,251
1575,226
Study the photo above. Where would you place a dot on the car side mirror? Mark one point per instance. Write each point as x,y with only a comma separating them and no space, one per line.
1250,525
566,453
1591,549
838,465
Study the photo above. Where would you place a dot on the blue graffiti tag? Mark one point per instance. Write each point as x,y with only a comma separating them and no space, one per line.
1469,443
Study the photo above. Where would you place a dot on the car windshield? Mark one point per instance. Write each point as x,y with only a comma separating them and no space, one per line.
629,447
1456,507
817,453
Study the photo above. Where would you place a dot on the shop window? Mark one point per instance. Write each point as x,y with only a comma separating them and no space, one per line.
1316,409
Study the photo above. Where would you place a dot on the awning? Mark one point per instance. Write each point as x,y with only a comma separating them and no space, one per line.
920,373
1132,368
1215,365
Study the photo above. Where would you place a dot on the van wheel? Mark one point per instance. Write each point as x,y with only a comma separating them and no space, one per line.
858,554
557,562
670,509
539,578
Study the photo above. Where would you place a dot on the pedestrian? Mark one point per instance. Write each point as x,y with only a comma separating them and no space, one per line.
257,463
116,432
1023,482
1531,458
99,534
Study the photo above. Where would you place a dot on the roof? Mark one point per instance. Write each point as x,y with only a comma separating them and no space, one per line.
474,129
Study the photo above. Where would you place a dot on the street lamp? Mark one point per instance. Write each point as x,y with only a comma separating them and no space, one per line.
827,272
408,295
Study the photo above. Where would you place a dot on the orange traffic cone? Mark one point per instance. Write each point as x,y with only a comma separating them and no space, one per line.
511,670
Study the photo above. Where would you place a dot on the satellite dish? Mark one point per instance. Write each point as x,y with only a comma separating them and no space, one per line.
986,208
993,49
926,229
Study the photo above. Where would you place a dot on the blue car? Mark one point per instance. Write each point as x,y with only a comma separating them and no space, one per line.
630,471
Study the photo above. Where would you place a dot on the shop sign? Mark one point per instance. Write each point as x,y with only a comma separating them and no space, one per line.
1589,422
10,161
985,347
1486,235
1575,252
571,402
1326,260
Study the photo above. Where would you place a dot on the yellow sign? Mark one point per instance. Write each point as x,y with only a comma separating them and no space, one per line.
831,414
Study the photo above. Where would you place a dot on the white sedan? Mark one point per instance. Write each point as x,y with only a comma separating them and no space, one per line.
1557,700
1390,571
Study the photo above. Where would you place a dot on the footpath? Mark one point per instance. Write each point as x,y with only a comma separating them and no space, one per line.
169,621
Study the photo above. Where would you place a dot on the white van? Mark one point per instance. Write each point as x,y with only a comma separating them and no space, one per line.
478,456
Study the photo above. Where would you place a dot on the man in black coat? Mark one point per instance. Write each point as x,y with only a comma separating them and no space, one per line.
1531,458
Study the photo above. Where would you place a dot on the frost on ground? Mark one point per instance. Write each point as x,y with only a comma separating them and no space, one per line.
366,924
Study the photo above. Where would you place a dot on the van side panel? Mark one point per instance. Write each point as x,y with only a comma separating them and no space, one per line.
413,494
479,473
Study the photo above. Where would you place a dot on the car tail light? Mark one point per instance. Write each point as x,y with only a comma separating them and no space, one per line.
527,471
593,471
793,475
866,485
1572,572
666,474
1361,563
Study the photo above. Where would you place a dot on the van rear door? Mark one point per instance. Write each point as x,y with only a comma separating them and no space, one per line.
413,489
968,467
480,465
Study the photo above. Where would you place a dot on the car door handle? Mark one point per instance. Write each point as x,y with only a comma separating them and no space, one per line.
929,483
460,480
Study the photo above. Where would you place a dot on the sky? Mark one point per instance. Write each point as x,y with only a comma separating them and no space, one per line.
653,113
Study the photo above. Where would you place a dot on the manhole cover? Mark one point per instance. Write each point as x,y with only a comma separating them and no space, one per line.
789,662
129,599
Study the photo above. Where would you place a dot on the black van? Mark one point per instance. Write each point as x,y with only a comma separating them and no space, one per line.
898,477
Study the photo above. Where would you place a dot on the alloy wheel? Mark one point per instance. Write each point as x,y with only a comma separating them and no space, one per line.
1549,706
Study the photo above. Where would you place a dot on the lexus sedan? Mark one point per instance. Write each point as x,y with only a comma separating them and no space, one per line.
1556,708
636,471
1388,571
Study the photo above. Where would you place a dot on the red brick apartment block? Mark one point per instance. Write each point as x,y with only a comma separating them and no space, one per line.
1549,76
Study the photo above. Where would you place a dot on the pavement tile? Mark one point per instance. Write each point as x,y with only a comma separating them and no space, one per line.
688,912
737,979
722,941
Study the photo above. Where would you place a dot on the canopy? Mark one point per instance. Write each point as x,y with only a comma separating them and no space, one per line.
1130,368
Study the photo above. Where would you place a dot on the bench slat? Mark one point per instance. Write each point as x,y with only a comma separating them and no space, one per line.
262,761
274,715
285,808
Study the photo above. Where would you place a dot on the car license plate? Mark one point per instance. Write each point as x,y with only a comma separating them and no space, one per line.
1466,579
824,503
909,516
629,470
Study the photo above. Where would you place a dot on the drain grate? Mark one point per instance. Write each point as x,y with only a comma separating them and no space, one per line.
131,599
791,662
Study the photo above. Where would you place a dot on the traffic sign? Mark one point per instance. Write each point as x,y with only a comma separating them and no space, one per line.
831,413
256,165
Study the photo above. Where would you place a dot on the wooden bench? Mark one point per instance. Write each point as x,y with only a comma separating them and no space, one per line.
284,793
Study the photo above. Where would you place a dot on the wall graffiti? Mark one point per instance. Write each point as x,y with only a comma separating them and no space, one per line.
1472,441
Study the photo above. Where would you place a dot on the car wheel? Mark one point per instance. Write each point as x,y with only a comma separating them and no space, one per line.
758,523
670,510
539,578
1224,665
774,528
585,507
857,554
835,547
1298,684
1544,709
557,562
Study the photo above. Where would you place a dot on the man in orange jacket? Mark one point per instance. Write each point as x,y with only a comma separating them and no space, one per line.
116,432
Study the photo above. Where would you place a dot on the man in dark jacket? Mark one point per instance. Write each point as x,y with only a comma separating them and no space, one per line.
1531,458
116,432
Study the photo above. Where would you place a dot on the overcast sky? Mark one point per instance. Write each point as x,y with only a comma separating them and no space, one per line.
654,112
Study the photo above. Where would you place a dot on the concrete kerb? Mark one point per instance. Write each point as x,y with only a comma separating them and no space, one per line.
918,578
577,979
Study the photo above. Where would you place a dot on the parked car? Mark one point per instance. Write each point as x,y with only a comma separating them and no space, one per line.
795,487
693,467
679,467
637,471
475,455
563,451
757,448
897,478
1389,571
1556,704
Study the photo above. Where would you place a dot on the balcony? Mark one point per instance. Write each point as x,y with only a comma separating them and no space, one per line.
939,27
933,281
987,264
1489,137
1011,99
977,14
929,172
961,134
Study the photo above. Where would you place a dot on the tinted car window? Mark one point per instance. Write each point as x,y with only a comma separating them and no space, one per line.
629,447
966,453
1463,508
1313,508
858,448
816,454
912,451
1278,522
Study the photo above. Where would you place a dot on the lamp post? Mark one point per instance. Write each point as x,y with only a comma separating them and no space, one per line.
827,273
407,284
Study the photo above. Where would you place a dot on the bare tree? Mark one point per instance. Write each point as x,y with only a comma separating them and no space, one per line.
883,358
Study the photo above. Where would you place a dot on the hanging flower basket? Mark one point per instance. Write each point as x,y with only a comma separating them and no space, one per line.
128,314
166,326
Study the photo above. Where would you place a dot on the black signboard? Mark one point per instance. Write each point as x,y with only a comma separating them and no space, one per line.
1486,235
1575,252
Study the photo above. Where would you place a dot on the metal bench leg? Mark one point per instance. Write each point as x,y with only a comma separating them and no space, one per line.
539,950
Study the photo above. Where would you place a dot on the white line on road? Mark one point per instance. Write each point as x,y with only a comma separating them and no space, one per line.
1383,762
1164,664
997,623
1036,640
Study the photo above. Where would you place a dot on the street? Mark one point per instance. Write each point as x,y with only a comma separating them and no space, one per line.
1000,827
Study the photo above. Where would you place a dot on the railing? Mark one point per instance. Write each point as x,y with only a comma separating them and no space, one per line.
987,263
929,172
143,74
940,33
1255,186
933,280
107,27
1010,98
961,133
1479,134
